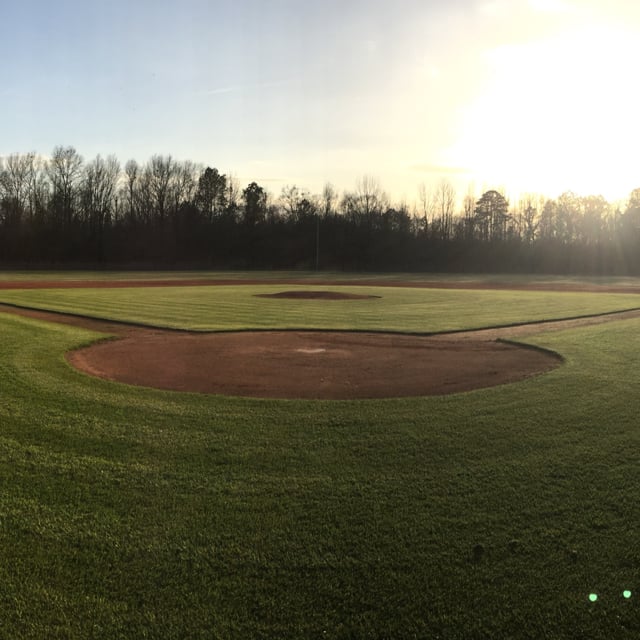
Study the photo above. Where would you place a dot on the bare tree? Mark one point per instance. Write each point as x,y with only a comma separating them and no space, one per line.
568,216
15,179
444,203
99,190
159,172
548,221
465,227
297,203
595,213
233,194
629,221
183,183
38,187
132,176
426,204
329,200
370,198
64,170
290,196
528,217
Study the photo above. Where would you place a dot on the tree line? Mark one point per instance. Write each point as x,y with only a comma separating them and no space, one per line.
66,211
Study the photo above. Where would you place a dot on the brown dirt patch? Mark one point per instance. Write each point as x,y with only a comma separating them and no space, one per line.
313,365
315,295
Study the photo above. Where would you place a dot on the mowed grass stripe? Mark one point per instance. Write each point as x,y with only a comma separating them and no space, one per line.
135,513
214,308
315,276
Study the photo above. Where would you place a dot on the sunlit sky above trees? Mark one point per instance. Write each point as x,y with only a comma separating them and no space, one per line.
528,95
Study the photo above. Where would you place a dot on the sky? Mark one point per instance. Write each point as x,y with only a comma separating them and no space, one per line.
535,96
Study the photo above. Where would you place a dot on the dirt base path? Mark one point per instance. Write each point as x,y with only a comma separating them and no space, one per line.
312,364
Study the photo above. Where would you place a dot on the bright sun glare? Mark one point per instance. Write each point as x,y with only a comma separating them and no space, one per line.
557,114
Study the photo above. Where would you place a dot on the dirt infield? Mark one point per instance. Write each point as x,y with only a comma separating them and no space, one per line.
300,364
308,364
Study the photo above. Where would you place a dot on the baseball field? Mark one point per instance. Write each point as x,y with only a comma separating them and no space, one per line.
286,455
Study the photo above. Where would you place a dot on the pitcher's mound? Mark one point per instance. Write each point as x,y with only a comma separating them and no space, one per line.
315,295
311,365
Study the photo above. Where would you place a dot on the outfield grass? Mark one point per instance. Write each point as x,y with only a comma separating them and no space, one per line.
397,309
320,276
131,513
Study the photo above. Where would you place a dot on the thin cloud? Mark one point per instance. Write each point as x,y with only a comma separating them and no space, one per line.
244,88
220,91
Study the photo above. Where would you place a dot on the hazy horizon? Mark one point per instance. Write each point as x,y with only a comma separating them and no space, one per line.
524,95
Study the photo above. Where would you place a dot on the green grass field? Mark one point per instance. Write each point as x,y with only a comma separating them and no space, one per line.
397,309
312,276
132,513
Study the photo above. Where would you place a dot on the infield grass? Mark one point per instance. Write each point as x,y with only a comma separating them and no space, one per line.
397,309
132,513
